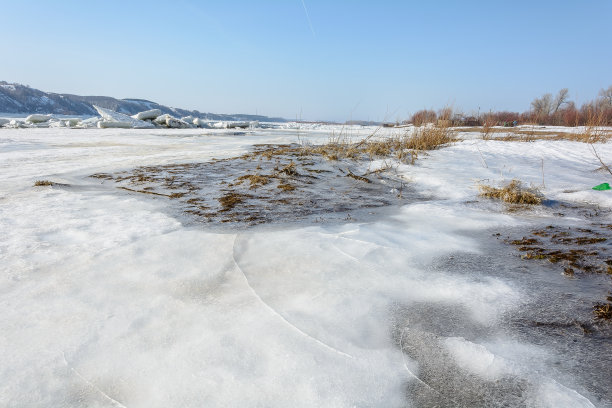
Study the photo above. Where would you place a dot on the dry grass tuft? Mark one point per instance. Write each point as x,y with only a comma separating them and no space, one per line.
230,200
289,170
429,138
255,180
286,187
41,183
603,311
487,129
358,178
403,147
513,193
337,148
594,131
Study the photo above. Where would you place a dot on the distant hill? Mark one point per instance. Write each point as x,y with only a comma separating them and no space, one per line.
17,98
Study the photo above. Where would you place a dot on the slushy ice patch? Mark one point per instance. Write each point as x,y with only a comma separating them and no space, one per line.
580,252
271,184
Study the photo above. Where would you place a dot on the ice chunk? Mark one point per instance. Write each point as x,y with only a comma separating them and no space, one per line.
161,120
234,125
35,118
54,124
72,122
4,122
16,123
108,124
149,114
112,116
171,122
201,123
91,122
174,123
188,119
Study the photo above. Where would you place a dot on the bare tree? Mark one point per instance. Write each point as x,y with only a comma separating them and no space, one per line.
606,96
542,106
562,98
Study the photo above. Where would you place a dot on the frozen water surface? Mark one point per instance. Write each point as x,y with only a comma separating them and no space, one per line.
113,298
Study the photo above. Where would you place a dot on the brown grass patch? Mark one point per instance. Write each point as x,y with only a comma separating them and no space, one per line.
42,183
255,180
401,147
103,176
513,193
286,187
603,311
289,170
590,134
429,138
230,200
359,178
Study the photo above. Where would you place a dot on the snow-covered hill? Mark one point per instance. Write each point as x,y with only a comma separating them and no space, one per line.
17,98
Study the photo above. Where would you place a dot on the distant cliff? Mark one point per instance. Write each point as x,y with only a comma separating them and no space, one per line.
17,98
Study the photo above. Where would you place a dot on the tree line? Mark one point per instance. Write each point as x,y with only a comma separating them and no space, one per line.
548,109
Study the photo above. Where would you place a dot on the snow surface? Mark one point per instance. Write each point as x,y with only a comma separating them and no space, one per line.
109,300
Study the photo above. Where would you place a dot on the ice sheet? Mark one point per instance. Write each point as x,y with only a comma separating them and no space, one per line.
108,300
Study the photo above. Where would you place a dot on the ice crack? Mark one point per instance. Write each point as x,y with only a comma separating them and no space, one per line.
92,385
271,309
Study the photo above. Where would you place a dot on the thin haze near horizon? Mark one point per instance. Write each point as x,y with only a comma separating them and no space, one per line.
312,59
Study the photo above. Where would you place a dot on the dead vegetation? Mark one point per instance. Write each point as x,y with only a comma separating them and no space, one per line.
291,180
143,191
358,178
603,311
42,183
285,187
512,193
255,180
594,131
231,200
276,183
404,147
577,252
49,183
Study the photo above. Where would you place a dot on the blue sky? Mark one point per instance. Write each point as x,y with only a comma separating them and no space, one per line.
314,59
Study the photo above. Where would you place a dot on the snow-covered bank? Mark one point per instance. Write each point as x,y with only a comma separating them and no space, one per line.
109,300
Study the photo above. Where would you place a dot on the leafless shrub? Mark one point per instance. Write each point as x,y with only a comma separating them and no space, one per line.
424,117
594,131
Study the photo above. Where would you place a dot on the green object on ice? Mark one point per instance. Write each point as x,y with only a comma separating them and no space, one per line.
602,187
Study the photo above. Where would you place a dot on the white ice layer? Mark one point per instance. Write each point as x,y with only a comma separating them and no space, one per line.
109,301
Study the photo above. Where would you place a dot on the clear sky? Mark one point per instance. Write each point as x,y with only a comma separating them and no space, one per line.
314,59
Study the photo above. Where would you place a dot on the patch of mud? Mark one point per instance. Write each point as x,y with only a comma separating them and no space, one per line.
271,184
